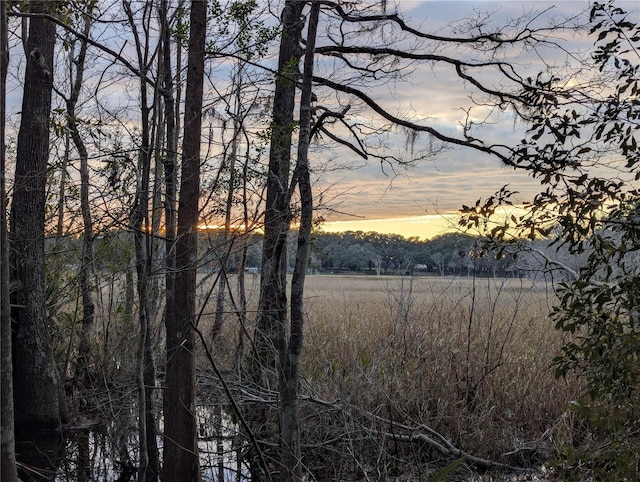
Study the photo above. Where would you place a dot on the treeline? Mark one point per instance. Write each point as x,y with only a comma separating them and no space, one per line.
451,254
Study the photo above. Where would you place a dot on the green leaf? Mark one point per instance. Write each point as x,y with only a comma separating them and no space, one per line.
448,470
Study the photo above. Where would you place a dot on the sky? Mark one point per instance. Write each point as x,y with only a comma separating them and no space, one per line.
423,197
423,200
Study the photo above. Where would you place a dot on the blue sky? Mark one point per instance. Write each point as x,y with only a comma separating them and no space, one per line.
439,186
426,193
435,96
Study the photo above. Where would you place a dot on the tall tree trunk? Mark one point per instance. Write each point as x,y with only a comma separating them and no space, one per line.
170,161
270,332
170,167
88,308
8,471
37,389
272,308
181,435
289,373
140,226
148,468
242,263
228,238
36,382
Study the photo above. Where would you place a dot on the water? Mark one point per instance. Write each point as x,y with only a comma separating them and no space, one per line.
109,452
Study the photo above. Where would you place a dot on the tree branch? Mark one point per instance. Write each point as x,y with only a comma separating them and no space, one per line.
422,434
491,150
395,18
87,39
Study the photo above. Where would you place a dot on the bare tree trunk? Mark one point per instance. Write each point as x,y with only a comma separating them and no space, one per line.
272,308
8,471
63,181
36,383
170,177
181,435
270,333
140,225
170,161
289,423
148,468
242,263
228,239
88,307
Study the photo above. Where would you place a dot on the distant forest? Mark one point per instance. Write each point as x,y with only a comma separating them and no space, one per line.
452,254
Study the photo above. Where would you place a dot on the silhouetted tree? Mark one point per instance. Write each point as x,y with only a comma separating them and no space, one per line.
8,470
180,435
37,391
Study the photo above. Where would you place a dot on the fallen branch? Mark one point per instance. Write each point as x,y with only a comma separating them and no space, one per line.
234,404
425,435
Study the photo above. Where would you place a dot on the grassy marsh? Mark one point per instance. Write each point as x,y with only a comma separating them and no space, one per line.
388,357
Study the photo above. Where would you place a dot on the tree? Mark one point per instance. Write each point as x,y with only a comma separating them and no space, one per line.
181,435
141,225
273,300
360,63
37,391
76,70
582,144
291,349
270,331
170,159
8,470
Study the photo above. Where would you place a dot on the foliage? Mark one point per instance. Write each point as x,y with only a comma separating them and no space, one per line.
238,22
582,145
449,254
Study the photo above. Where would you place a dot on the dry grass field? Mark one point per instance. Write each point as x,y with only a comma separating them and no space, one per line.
468,358
391,364
387,358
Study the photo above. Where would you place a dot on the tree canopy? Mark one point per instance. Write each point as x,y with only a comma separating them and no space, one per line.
582,144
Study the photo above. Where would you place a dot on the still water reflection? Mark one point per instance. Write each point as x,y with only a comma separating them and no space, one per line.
109,452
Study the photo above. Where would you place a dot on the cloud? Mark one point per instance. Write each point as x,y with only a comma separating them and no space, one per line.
434,95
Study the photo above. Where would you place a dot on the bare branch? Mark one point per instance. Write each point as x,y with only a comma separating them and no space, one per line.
395,18
412,125
87,39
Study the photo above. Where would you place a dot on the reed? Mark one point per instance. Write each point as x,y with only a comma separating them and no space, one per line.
467,357
386,358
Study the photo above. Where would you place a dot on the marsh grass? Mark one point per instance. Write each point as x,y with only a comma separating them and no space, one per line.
467,357
386,360
386,357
